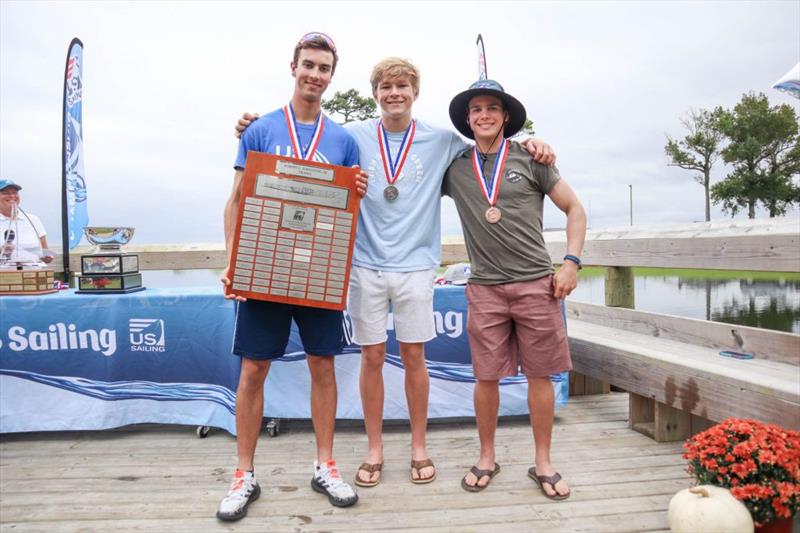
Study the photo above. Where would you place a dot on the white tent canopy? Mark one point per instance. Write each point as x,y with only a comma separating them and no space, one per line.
790,82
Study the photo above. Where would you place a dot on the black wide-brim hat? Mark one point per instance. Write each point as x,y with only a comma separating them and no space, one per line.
458,107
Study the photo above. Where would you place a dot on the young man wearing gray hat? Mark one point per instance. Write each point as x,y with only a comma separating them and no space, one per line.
514,297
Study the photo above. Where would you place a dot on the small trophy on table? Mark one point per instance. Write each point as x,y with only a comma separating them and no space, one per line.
109,269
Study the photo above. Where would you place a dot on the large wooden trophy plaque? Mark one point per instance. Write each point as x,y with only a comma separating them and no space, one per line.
294,236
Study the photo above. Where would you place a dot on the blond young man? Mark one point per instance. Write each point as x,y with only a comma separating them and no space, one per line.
397,250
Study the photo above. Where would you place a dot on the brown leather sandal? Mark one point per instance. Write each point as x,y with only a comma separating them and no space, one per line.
419,465
478,473
550,480
371,468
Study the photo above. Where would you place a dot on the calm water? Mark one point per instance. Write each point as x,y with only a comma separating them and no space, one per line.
771,304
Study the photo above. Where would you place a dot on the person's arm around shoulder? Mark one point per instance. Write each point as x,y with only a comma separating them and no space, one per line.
457,146
242,123
566,278
230,217
540,151
362,178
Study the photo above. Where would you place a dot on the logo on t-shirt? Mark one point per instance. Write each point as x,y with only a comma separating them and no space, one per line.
286,151
513,176
412,170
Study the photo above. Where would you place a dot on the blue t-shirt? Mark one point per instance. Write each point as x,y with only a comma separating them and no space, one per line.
403,235
269,134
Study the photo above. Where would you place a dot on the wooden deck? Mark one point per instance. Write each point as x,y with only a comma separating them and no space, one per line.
163,478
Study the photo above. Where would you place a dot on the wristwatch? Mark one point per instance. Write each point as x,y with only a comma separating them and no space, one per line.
574,259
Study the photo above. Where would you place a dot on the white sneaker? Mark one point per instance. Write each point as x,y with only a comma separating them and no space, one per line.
244,489
327,481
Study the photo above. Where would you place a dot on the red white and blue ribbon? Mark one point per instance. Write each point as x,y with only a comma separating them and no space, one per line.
490,187
393,167
297,146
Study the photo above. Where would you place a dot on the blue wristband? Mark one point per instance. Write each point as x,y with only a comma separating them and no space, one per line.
574,259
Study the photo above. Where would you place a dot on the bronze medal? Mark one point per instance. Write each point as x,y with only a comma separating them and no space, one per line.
491,187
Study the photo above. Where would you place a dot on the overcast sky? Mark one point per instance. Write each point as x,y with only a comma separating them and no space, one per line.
164,83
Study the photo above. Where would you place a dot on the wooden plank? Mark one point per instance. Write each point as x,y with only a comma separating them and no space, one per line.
596,386
258,522
766,344
693,379
671,424
159,478
700,423
771,245
640,409
577,384
647,429
160,256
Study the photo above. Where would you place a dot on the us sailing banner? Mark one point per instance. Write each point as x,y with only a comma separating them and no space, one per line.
74,215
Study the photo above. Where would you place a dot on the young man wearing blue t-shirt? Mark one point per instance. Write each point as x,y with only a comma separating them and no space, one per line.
262,328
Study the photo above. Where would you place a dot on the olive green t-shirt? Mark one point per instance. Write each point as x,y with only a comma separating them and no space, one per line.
513,249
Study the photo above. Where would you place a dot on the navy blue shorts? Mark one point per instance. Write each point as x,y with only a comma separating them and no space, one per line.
262,329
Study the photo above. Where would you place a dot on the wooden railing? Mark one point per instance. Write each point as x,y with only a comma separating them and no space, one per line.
769,245
664,409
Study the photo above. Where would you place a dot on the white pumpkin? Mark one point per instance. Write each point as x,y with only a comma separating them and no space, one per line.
708,509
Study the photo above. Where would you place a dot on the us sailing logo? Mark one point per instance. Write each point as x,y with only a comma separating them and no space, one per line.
146,335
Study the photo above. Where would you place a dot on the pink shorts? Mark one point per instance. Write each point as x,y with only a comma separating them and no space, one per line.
516,326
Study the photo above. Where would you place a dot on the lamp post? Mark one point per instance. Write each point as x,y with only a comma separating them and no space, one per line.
630,188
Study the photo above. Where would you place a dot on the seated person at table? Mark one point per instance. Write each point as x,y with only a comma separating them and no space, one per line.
23,235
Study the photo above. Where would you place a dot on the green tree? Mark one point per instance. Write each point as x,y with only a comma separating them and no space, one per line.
527,128
764,151
700,149
351,106
526,131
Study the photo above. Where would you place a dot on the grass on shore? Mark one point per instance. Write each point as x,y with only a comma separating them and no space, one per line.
698,273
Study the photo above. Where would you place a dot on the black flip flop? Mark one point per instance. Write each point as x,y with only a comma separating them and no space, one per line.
478,473
551,480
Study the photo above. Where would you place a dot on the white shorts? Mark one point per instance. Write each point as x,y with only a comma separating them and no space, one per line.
411,296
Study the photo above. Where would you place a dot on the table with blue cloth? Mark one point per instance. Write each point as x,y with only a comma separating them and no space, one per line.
96,361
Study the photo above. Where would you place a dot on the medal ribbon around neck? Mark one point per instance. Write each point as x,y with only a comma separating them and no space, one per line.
491,189
392,168
297,147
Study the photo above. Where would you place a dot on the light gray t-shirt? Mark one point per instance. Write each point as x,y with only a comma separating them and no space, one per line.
513,249
403,235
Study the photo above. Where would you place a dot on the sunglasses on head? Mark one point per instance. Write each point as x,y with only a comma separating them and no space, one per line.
317,35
